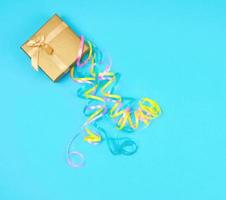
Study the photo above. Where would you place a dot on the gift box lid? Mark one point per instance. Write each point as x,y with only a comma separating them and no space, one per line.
54,48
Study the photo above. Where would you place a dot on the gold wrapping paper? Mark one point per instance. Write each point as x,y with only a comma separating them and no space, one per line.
53,48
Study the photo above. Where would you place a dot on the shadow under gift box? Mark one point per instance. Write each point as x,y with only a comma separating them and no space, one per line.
54,48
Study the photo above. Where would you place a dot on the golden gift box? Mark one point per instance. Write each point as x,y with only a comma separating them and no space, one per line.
53,48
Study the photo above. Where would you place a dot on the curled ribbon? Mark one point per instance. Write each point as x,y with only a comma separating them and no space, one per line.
98,88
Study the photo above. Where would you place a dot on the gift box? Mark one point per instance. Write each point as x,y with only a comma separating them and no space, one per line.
53,48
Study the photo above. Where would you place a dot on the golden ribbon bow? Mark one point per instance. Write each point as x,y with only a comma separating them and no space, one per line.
38,44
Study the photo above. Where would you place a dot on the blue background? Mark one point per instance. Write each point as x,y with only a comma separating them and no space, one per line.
171,51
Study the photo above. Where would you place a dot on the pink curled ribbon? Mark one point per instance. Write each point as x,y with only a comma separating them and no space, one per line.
98,89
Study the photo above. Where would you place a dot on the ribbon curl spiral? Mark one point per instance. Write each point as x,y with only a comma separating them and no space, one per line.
98,88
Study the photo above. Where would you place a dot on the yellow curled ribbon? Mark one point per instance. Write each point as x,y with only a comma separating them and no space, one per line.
99,89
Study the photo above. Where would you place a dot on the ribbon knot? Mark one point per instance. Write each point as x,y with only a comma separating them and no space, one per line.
37,44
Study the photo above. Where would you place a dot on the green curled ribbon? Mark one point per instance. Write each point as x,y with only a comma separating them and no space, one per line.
98,85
